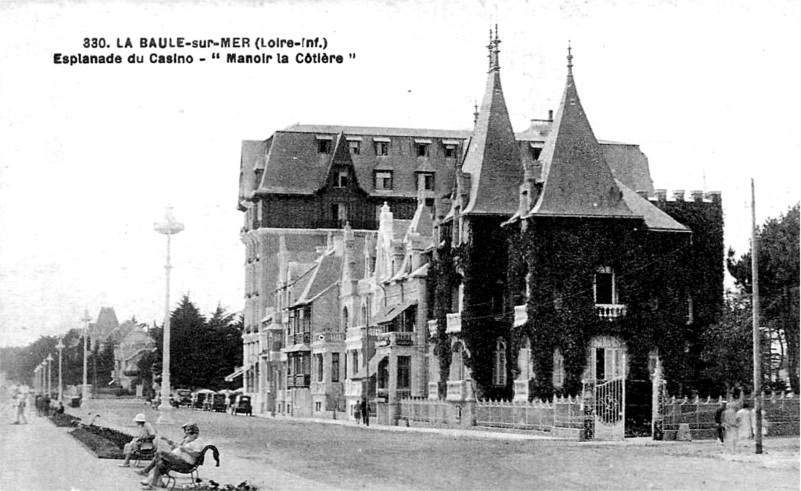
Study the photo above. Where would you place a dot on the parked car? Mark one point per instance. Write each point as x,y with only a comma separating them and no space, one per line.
218,403
184,397
242,405
199,398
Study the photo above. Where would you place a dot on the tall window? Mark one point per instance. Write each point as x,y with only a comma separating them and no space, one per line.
334,367
345,319
499,369
318,360
605,287
404,372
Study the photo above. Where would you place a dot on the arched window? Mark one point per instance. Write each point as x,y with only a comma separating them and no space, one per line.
499,368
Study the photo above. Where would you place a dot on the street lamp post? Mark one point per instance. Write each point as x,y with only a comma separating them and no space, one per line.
170,226
85,388
49,375
59,347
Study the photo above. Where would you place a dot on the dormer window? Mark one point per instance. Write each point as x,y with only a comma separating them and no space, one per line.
341,179
449,148
381,146
355,147
536,150
324,144
425,180
421,147
383,180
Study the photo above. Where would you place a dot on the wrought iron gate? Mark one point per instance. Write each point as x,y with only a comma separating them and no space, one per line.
605,408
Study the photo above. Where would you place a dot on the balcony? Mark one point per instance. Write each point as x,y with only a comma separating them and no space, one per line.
330,337
454,324
608,311
521,316
395,339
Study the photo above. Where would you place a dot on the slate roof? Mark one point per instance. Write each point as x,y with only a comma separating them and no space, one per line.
326,274
577,179
655,219
493,157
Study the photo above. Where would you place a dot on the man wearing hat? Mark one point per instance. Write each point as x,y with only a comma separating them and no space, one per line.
181,457
146,434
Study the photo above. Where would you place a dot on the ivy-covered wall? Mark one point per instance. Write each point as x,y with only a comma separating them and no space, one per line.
671,283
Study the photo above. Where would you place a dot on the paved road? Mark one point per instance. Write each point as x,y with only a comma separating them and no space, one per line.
288,454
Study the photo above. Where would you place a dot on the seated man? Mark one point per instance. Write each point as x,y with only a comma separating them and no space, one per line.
181,457
145,433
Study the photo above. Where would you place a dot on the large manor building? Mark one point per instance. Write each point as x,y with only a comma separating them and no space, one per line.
391,264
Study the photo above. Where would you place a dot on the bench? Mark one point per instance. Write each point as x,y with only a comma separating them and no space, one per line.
193,471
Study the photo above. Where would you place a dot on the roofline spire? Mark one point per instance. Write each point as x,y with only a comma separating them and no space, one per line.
495,64
569,59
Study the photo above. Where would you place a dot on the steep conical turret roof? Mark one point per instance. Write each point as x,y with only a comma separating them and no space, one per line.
578,180
493,158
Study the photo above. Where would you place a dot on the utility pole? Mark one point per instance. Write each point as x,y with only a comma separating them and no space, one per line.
755,310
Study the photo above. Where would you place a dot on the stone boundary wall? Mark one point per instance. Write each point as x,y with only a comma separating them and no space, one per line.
780,412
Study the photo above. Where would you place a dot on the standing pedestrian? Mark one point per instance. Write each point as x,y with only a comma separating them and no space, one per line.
729,418
719,422
357,411
365,412
744,428
19,406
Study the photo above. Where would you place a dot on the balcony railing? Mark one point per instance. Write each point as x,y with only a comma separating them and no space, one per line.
299,380
609,311
354,224
395,339
454,323
330,337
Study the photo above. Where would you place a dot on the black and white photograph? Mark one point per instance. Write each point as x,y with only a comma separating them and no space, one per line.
399,245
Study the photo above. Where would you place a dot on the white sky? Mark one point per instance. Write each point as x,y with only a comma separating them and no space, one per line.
90,155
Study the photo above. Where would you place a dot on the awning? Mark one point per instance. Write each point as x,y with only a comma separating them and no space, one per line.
389,313
239,371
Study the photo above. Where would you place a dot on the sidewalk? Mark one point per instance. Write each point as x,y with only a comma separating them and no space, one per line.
40,456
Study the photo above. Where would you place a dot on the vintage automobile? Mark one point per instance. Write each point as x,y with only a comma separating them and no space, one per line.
217,403
183,397
199,398
242,405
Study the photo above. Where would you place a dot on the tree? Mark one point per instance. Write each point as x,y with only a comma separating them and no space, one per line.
727,355
778,245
